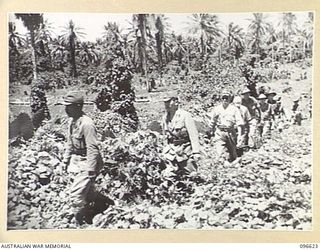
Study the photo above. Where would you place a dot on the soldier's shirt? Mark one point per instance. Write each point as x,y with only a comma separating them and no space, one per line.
246,116
182,120
82,137
266,111
251,105
226,117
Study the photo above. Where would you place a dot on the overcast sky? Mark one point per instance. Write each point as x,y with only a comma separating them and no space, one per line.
92,23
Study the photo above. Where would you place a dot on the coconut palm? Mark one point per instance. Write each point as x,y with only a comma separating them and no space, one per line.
15,39
71,34
59,53
288,28
272,40
257,29
204,27
32,22
88,53
235,41
307,33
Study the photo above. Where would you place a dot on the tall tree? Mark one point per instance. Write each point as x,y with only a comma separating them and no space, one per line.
59,53
88,54
32,22
235,41
257,29
140,23
204,27
71,34
271,39
289,26
16,40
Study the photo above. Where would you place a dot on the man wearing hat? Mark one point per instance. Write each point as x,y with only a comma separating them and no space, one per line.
296,111
267,114
251,104
83,160
225,118
279,114
271,96
183,147
243,138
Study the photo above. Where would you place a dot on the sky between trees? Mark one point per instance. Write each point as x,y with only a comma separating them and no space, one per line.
92,23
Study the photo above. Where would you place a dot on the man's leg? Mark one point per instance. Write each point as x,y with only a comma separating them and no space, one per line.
79,190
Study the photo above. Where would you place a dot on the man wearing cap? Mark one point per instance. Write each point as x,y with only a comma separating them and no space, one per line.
296,112
83,160
267,114
183,147
252,106
279,114
224,118
243,138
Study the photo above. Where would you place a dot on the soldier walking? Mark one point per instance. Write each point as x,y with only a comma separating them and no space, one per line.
267,114
183,147
251,104
225,119
83,161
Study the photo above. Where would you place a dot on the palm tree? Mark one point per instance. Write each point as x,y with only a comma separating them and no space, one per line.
204,27
88,54
71,35
15,39
32,22
289,26
235,42
307,31
15,42
43,38
140,23
257,29
271,39
58,52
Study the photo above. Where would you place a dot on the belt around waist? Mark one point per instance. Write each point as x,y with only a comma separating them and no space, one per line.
223,128
179,142
81,152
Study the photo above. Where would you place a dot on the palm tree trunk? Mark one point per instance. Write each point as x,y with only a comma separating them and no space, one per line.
33,55
159,50
73,57
142,43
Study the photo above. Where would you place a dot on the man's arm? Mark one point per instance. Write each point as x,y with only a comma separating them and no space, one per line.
91,139
68,151
193,134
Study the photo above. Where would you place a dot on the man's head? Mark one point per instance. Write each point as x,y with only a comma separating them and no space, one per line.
74,103
237,101
245,94
296,99
225,98
271,95
171,102
262,98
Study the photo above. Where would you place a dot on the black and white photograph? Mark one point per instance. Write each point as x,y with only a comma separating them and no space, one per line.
160,121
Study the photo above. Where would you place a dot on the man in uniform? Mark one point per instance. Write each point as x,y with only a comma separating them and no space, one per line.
296,111
83,161
251,104
225,118
267,115
279,115
183,147
243,138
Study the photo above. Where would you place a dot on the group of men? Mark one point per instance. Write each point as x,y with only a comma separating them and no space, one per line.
237,122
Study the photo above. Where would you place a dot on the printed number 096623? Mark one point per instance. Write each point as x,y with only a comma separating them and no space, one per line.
308,246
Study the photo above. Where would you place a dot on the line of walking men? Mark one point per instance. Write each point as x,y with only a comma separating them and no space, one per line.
237,123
